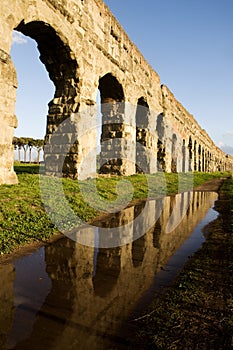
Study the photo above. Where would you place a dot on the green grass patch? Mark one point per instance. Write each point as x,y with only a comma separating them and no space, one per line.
23,218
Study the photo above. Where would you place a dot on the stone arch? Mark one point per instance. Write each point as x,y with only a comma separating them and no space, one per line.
112,109
142,113
111,91
142,135
195,155
183,156
58,58
199,157
211,162
115,132
206,160
203,160
173,154
190,149
161,151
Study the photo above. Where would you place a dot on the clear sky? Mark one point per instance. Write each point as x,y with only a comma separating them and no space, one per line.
189,43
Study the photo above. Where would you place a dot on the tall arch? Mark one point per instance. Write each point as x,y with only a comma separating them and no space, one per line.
195,156
190,148
161,150
62,68
207,161
199,158
116,136
142,136
203,160
174,154
183,157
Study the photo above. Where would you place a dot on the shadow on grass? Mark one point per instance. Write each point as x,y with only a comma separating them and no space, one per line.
27,168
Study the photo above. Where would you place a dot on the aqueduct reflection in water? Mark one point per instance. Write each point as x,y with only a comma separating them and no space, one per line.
71,296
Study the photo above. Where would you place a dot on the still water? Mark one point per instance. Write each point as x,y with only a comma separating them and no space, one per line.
71,296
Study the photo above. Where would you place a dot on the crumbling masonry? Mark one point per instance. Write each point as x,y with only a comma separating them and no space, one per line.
84,49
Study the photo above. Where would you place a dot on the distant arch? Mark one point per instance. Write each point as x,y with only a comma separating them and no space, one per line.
112,109
190,150
173,154
183,156
195,155
142,122
111,91
161,151
199,158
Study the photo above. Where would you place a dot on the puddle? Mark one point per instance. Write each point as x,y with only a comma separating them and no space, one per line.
165,277
70,296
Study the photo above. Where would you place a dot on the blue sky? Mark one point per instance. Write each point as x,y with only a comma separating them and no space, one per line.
188,43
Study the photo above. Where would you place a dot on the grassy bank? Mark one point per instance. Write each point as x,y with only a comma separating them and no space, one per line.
197,311
23,218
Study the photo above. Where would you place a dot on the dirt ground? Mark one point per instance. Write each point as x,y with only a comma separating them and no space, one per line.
212,185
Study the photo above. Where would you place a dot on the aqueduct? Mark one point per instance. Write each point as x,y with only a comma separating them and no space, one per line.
84,49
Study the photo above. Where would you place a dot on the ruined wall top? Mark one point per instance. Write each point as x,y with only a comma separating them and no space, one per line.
175,110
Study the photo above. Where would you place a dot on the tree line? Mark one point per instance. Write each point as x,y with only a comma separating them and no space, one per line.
27,144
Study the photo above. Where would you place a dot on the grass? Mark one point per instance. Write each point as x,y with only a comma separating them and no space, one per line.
197,311
23,218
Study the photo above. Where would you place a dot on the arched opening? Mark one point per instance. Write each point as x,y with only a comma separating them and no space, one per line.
161,152
62,68
142,137
211,162
183,157
195,155
113,128
34,91
190,148
173,154
111,91
199,158
208,161
203,160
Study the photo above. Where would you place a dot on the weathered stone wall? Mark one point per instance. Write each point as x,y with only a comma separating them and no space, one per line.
196,150
84,49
